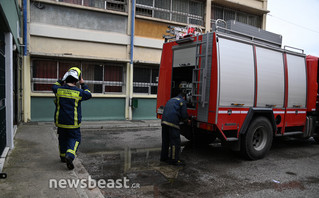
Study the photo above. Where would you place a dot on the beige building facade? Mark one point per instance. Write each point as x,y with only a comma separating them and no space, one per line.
96,36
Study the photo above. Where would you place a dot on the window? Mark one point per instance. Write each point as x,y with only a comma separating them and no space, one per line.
117,5
145,80
113,76
165,5
44,74
220,12
100,77
78,2
93,76
154,82
242,17
184,11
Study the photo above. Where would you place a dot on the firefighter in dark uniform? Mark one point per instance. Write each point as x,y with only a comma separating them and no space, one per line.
175,111
68,98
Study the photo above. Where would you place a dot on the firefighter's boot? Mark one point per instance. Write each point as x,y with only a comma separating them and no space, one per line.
69,162
178,163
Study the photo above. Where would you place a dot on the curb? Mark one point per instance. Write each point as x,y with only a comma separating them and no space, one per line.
81,173
3,158
106,125
117,124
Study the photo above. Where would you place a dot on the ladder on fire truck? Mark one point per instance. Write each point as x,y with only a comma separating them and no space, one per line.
200,80
200,72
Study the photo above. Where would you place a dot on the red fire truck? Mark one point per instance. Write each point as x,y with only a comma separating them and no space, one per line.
241,87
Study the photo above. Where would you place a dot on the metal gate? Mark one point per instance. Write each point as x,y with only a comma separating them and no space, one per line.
2,94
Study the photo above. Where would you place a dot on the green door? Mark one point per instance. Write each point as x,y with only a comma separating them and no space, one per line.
2,94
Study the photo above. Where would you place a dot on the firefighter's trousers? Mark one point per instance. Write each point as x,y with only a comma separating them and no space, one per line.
69,141
170,138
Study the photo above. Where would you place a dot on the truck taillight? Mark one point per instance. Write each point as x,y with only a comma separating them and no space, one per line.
205,126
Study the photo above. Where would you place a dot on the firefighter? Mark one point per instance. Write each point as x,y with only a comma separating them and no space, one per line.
68,98
175,111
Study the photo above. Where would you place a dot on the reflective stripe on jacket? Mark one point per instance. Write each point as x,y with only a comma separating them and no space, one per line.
68,104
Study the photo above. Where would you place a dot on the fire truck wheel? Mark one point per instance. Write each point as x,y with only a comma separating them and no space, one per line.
258,139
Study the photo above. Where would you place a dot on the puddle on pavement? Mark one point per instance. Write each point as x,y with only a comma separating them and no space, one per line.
141,166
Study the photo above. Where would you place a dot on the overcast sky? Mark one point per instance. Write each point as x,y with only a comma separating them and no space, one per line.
297,21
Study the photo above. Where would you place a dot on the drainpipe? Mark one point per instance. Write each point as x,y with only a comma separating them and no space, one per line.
131,58
25,18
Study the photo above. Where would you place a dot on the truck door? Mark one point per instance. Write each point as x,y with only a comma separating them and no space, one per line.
297,93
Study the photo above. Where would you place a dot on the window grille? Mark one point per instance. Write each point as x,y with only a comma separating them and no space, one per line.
184,11
145,80
103,77
220,12
117,5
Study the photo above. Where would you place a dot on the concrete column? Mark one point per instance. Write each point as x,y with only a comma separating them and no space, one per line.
129,76
265,4
26,76
129,85
208,15
26,89
9,89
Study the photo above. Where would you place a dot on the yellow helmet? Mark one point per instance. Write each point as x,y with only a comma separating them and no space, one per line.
77,70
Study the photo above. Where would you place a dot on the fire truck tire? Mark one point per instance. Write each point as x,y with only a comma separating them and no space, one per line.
316,139
257,141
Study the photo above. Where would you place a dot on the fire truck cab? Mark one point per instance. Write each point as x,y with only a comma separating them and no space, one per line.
241,87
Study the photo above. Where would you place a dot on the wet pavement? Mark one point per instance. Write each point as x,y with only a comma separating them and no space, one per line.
125,154
290,170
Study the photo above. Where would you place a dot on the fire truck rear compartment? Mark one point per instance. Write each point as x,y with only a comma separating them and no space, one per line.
182,80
